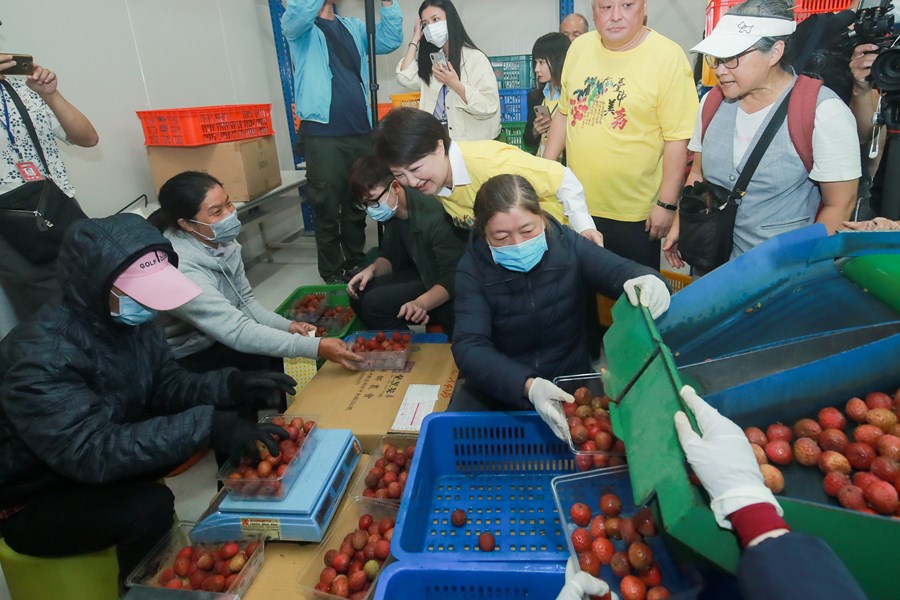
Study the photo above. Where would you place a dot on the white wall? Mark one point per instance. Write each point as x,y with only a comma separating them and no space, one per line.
114,57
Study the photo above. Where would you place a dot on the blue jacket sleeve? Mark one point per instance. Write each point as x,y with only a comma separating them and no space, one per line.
299,17
792,566
478,360
389,29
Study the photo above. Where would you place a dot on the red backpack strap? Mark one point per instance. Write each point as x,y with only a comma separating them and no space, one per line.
801,117
714,98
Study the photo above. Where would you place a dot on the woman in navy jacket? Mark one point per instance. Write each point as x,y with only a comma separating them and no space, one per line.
521,287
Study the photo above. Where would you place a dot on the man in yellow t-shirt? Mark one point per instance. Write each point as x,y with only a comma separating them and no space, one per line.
420,154
627,109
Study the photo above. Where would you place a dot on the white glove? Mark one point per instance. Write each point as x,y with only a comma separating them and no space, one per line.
722,459
654,293
580,585
546,398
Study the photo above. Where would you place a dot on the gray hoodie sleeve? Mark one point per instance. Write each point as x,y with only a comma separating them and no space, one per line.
214,315
259,312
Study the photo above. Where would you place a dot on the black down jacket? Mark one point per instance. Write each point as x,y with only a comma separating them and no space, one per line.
511,326
85,398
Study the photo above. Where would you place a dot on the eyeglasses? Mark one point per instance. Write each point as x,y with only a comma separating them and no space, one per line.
373,202
730,62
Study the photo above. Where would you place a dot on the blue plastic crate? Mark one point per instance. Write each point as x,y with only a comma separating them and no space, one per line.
493,581
682,581
417,338
514,106
495,466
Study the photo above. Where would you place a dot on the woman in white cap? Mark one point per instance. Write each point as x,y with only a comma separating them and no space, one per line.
94,409
750,52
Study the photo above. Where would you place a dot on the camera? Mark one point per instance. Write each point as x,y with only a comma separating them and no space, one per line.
874,24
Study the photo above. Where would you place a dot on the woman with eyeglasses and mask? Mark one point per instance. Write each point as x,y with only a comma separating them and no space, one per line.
412,280
225,325
461,90
520,292
750,52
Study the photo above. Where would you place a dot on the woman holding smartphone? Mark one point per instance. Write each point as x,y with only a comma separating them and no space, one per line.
548,54
455,78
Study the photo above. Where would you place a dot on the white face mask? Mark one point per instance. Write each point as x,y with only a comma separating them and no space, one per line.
437,33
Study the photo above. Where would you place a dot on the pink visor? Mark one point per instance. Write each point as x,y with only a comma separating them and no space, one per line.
155,283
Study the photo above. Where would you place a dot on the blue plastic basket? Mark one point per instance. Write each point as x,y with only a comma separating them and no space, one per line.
495,466
493,581
514,106
682,581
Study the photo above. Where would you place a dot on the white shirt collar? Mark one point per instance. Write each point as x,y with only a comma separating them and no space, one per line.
458,168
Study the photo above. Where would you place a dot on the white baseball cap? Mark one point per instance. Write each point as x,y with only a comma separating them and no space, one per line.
734,34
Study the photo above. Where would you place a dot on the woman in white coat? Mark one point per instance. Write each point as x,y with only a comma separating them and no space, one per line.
461,90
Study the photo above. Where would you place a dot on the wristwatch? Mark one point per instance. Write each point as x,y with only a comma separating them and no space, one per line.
662,204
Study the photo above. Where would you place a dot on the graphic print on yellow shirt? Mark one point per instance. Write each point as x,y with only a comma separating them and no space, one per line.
599,102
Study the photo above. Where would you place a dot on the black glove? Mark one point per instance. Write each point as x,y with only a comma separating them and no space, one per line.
237,438
255,384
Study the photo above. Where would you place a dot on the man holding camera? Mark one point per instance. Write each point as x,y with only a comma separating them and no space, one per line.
29,285
873,23
331,79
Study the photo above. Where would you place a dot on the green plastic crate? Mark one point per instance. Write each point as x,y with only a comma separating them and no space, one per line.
513,133
337,296
513,71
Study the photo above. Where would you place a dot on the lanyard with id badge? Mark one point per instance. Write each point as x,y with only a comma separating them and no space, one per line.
34,217
26,168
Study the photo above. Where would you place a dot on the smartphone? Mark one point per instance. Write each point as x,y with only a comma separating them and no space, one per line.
438,58
24,65
542,110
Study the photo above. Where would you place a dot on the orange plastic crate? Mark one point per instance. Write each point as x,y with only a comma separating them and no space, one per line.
676,281
411,100
203,125
803,9
807,8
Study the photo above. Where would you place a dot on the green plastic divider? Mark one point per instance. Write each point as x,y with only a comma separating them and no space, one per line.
337,296
646,384
877,274
629,346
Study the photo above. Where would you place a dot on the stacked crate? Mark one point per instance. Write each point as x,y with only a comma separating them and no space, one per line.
515,78
234,143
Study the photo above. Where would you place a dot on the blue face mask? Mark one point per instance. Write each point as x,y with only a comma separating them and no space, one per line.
383,212
131,312
521,257
224,230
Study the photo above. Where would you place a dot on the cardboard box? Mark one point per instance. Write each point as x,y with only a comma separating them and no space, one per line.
367,401
247,168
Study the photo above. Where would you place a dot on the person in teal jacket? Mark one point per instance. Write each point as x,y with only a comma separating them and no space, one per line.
331,92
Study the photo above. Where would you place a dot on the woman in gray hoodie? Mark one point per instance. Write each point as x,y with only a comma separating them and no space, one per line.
225,324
